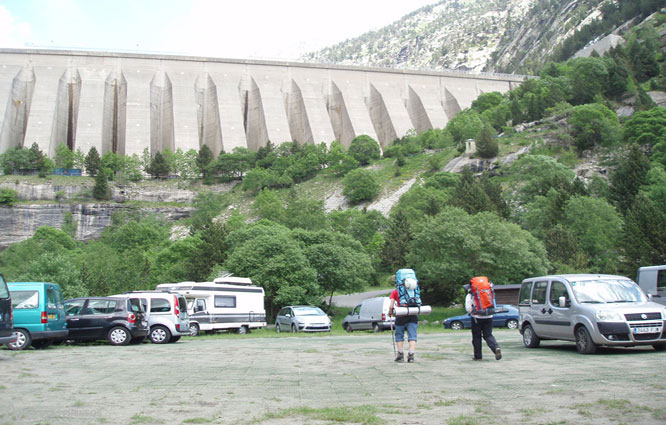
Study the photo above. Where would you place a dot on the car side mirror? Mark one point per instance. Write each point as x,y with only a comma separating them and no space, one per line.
649,297
563,302
287,315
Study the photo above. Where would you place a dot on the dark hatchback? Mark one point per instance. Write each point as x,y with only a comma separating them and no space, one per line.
505,315
6,317
120,320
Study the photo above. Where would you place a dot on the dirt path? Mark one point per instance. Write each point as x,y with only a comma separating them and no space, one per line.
313,379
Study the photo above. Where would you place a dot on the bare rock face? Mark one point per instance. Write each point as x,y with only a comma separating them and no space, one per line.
19,222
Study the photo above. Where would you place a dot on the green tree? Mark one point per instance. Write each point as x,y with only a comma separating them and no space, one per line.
159,168
208,205
210,250
593,124
360,185
596,226
364,149
646,127
453,246
204,159
397,240
644,234
101,189
487,101
78,159
92,162
627,179
589,77
304,213
64,157
274,261
469,195
486,145
466,125
268,206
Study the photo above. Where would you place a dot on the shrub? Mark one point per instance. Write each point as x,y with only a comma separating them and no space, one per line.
360,185
7,196
364,149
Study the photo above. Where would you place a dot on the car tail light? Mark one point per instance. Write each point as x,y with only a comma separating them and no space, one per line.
45,317
178,327
175,305
131,317
383,316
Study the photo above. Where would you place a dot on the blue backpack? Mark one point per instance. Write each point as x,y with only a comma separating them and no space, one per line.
408,297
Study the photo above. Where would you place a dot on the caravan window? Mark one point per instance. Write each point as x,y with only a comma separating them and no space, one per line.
225,301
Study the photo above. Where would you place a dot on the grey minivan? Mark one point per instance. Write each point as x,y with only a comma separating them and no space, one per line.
590,309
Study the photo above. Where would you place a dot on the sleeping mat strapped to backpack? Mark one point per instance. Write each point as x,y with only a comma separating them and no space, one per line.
408,288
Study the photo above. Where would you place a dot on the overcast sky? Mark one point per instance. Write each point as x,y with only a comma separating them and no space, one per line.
268,29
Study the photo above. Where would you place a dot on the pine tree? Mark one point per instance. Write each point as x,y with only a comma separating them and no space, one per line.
486,145
101,189
469,195
158,168
644,234
397,240
627,179
204,158
92,162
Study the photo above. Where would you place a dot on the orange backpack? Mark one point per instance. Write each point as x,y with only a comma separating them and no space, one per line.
483,296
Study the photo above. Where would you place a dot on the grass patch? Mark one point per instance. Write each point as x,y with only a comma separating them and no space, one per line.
365,415
144,419
462,420
197,421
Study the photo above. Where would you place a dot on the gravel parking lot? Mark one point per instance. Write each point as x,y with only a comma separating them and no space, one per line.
331,379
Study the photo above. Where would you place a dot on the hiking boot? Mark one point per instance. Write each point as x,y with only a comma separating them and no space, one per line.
498,354
410,358
400,357
475,359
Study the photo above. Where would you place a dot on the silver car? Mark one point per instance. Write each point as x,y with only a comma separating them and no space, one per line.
302,318
591,310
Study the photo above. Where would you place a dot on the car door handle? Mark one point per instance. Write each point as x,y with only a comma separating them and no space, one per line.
73,319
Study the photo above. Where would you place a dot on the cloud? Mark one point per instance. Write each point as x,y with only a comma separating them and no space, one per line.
12,33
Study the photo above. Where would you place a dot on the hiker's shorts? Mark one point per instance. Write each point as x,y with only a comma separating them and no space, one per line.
409,322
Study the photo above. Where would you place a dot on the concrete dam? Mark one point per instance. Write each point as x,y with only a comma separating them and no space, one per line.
126,103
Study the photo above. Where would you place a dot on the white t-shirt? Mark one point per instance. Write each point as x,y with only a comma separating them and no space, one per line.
469,306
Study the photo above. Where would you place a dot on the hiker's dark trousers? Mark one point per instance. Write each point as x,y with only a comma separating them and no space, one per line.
482,327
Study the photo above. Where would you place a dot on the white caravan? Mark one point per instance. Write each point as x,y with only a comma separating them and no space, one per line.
227,303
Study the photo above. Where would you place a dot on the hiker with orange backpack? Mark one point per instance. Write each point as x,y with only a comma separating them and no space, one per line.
480,304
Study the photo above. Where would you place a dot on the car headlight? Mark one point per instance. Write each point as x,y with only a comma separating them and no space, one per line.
609,316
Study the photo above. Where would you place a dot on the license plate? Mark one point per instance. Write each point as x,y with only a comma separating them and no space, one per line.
52,316
647,330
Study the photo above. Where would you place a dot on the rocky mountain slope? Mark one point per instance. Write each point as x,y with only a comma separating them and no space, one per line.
512,36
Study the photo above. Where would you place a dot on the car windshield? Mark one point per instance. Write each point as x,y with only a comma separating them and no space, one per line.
308,311
607,291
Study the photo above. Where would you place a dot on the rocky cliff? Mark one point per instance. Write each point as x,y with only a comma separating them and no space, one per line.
20,221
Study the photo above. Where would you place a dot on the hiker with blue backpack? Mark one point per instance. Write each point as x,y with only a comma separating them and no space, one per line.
480,304
406,294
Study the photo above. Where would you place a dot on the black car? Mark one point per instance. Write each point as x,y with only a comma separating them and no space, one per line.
6,317
120,320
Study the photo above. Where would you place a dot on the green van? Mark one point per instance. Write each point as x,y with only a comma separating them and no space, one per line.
39,314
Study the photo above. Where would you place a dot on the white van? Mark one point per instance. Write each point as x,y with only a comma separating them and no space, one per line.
227,303
372,313
166,313
652,280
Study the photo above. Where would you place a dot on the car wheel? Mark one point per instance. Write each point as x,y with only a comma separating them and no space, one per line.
294,329
42,343
348,327
530,338
242,330
119,336
23,340
584,343
174,339
659,347
512,324
159,335
376,328
194,329
456,325
277,327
